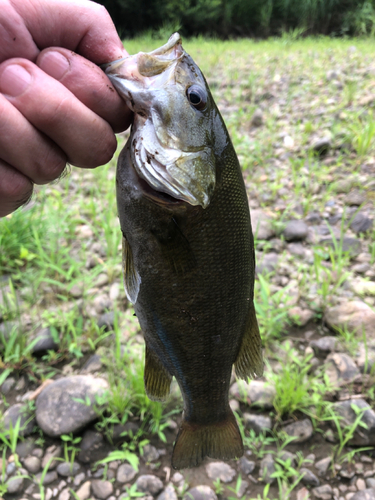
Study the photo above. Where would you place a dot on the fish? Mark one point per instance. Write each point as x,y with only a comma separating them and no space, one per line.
188,249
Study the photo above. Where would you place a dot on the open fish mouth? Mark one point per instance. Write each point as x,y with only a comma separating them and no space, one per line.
146,81
169,170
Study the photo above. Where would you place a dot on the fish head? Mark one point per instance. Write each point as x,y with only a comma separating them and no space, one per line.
173,136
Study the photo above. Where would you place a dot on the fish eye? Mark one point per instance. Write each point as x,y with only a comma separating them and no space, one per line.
197,97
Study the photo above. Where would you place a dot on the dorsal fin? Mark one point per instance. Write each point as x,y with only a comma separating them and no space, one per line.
249,362
132,279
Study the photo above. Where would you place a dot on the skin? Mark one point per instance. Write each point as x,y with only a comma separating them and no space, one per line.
56,105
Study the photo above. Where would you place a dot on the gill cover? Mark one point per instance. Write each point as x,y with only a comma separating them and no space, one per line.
171,137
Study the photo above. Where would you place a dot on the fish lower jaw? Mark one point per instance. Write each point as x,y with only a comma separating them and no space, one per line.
157,196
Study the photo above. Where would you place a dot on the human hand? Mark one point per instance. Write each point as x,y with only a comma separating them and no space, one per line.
56,104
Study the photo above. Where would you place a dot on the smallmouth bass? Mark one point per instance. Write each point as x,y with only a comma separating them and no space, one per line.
188,251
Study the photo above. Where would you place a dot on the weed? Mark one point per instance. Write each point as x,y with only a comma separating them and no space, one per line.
70,447
271,308
345,431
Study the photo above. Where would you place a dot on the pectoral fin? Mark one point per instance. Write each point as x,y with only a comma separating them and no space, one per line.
249,362
157,379
132,279
176,249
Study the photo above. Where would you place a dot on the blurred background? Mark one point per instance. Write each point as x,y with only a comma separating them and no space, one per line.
233,18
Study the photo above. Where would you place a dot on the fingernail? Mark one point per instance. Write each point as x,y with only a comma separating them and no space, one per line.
54,64
14,80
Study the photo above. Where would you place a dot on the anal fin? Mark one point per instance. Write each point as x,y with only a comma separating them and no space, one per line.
156,378
132,279
194,442
249,362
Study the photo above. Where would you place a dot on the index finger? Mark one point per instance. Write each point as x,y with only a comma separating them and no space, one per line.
28,26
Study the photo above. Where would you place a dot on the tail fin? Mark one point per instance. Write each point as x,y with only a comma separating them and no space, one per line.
194,442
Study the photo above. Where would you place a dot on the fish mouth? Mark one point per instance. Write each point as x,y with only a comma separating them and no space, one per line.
188,176
169,171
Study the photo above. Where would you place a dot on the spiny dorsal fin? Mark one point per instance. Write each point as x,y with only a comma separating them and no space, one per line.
194,442
157,379
132,279
249,362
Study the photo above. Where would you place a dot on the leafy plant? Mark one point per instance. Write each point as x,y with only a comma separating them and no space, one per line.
70,447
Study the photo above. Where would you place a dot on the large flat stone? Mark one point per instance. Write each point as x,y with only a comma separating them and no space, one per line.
59,409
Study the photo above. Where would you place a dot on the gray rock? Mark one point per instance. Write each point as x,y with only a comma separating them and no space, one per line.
351,246
68,469
323,345
149,484
125,473
259,423
200,492
295,230
355,198
370,482
257,118
340,368
313,218
347,471
101,489
220,470
267,468
65,494
323,492
83,492
57,409
322,465
107,320
246,466
25,447
93,364
266,263
51,453
368,494
15,485
354,315
8,385
297,249
79,478
361,223
168,494
321,145
92,447
302,430
257,393
44,342
32,464
150,453
343,185
262,225
49,477
309,477
10,468
362,436
19,410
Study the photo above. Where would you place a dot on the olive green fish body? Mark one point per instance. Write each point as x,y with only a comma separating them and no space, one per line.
189,269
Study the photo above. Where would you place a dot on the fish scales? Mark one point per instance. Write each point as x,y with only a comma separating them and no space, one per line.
188,257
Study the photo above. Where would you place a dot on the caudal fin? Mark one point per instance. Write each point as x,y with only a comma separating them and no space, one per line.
194,442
